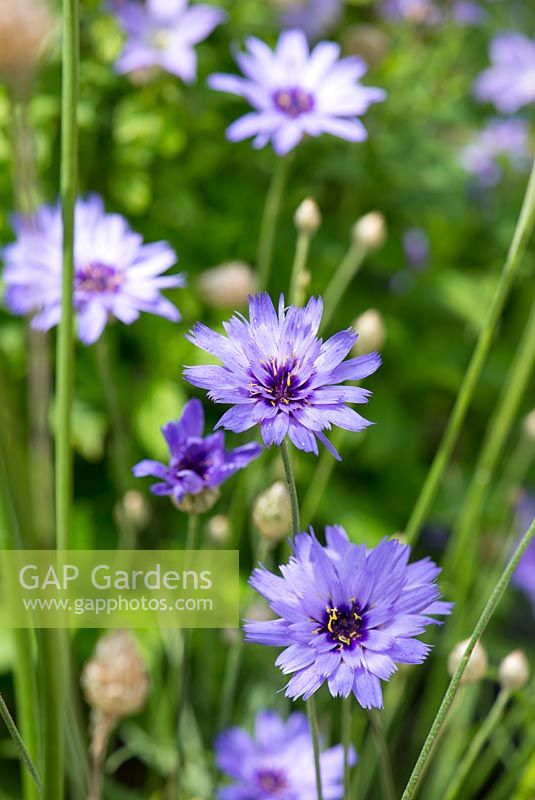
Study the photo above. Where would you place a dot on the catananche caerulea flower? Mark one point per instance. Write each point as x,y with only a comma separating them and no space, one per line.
500,139
277,763
297,92
196,463
347,614
510,82
315,17
163,33
524,576
277,373
116,274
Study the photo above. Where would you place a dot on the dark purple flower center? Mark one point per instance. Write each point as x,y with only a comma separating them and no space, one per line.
294,101
271,781
279,382
97,278
196,458
343,624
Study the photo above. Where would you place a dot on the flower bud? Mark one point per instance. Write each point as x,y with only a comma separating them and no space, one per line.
115,680
272,512
307,218
134,509
369,232
477,666
371,332
228,285
529,425
199,503
513,672
219,529
26,27
367,41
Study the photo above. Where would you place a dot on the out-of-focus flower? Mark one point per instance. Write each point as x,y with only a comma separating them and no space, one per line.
227,285
422,12
316,18
163,33
198,465
514,672
524,577
372,332
272,512
115,680
219,529
296,92
307,217
278,761
500,139
416,247
467,12
26,28
134,509
347,614
510,82
278,374
369,232
367,41
477,666
116,274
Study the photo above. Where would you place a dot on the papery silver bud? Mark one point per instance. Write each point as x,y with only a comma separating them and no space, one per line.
477,666
371,332
228,285
134,509
219,529
26,28
115,680
369,232
272,512
513,672
529,425
307,217
199,503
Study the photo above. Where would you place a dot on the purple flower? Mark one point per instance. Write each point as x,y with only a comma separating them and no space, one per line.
524,577
467,12
510,82
163,33
116,274
278,374
297,92
501,138
347,614
418,11
278,762
196,463
315,17
416,247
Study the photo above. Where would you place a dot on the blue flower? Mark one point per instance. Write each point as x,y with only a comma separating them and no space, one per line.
524,577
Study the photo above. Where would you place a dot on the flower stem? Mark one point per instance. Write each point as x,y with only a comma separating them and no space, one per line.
19,743
476,745
344,274
483,621
270,218
383,755
193,530
524,227
346,741
314,730
297,281
292,490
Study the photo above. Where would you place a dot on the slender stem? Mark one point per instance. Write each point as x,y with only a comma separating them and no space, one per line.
520,240
270,218
193,530
297,285
344,274
459,560
292,490
476,745
19,744
488,611
51,654
346,741
387,776
314,730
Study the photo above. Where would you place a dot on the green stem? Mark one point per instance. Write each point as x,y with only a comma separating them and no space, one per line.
314,730
346,741
522,233
461,557
269,220
297,288
19,743
344,274
193,530
387,776
292,490
51,655
477,744
483,621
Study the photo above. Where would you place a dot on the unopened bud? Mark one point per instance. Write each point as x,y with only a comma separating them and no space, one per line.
26,28
228,285
134,509
371,332
369,232
272,512
529,425
199,503
307,218
513,672
367,41
219,529
477,666
115,680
